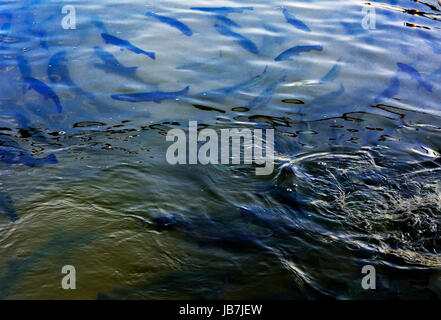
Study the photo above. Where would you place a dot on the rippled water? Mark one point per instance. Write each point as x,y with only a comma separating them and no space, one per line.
357,174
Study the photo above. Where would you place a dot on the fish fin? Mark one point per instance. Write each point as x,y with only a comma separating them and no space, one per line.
50,159
185,90
149,54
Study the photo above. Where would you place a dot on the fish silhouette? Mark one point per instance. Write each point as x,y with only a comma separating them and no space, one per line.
295,51
11,158
222,10
227,21
265,97
212,65
390,91
291,19
415,75
243,41
154,96
210,232
333,73
44,90
222,93
125,44
58,72
172,22
112,65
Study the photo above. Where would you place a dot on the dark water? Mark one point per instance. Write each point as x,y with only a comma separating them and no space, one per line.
84,180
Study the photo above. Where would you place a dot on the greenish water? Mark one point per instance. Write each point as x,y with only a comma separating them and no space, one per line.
357,166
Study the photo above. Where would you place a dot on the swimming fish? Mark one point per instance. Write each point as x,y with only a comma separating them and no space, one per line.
295,51
265,97
154,96
10,158
227,21
333,73
7,206
390,91
222,93
209,232
415,74
295,22
58,72
112,65
208,65
222,10
243,41
109,39
44,90
25,69
172,22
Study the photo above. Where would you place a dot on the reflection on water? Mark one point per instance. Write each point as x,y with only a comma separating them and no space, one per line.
84,180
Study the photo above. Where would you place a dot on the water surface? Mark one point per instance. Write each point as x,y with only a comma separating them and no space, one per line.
357,173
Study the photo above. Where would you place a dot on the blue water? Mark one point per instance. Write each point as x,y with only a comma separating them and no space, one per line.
84,180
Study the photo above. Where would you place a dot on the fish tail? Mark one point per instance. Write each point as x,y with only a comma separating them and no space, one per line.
185,90
149,54
426,86
50,159
58,104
